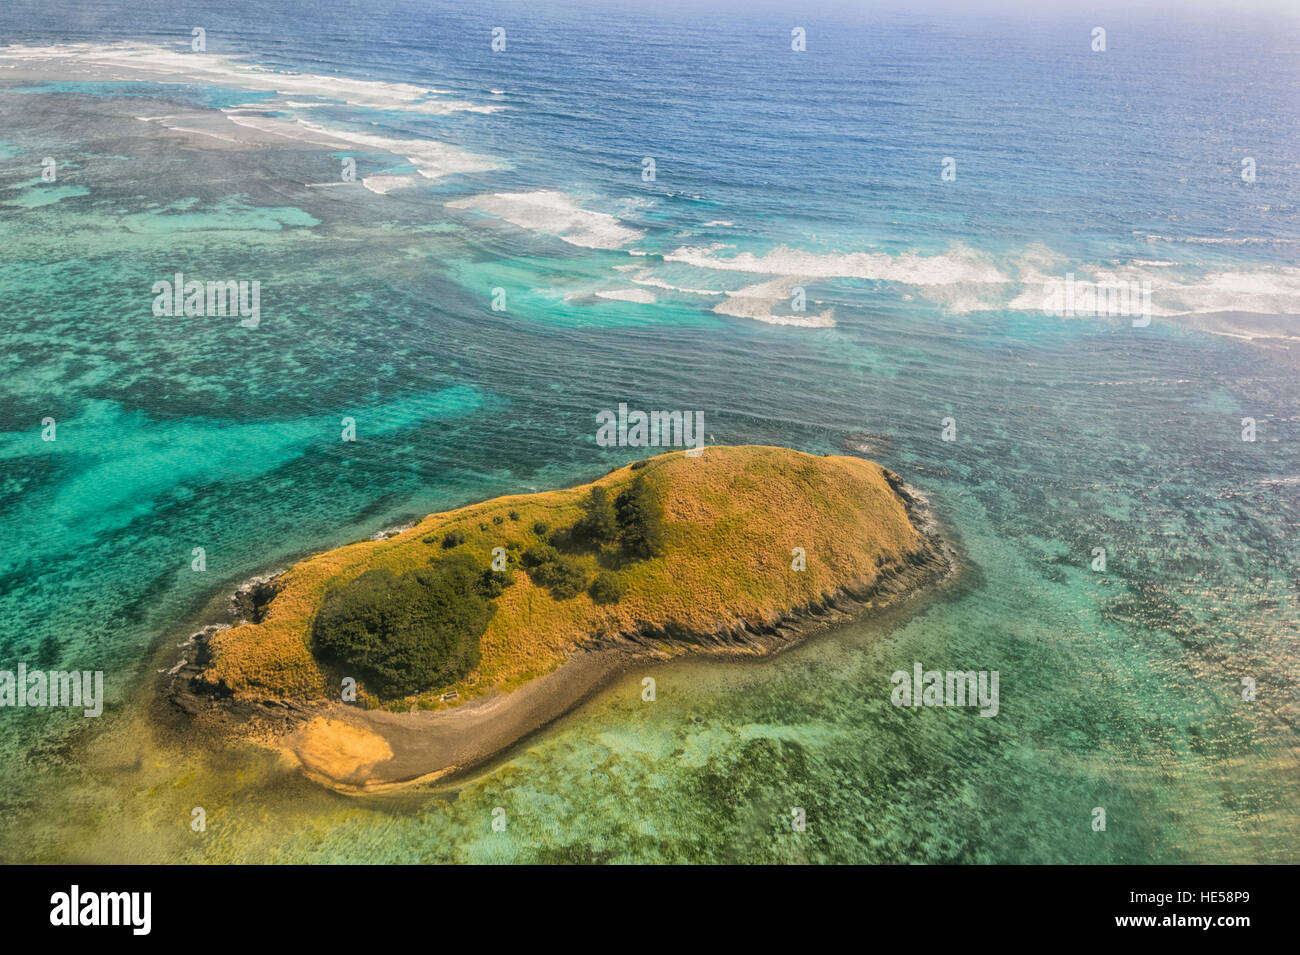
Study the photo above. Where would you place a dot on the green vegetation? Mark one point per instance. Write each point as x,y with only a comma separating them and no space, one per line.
697,545
633,522
640,520
599,522
607,588
563,575
405,633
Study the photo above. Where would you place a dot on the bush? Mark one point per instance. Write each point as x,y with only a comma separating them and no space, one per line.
599,522
494,583
607,588
565,577
540,528
641,520
514,515
540,554
562,575
404,634
453,539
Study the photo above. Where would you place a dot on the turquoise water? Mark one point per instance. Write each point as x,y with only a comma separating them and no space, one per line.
1119,689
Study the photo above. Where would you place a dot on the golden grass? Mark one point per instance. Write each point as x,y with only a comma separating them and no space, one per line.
734,515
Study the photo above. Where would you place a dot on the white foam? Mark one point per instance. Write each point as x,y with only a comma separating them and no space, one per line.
645,278
383,185
179,124
1261,291
757,301
910,268
553,213
133,61
1265,291
637,295
1216,240
432,159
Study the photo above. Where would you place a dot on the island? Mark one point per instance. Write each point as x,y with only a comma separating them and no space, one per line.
425,654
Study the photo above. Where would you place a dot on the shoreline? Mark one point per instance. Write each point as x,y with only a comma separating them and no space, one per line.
356,751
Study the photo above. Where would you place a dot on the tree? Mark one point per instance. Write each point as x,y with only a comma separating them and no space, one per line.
408,633
641,520
599,522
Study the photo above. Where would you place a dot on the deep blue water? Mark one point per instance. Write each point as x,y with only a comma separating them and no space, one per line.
773,168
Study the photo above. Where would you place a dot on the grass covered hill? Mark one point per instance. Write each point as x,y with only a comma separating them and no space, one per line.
492,595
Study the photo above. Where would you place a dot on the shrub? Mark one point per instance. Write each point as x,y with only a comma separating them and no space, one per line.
404,634
562,575
540,528
565,577
599,522
453,539
514,515
641,520
494,582
498,519
540,554
607,588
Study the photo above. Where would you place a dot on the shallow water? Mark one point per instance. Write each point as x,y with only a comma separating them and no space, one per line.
1119,689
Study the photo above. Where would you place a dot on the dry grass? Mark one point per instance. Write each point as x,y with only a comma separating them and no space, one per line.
734,514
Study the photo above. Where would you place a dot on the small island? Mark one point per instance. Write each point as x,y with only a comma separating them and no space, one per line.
422,655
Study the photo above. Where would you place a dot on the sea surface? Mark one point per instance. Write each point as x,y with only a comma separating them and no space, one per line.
524,171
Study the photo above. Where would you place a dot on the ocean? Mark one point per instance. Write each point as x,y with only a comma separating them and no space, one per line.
641,191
